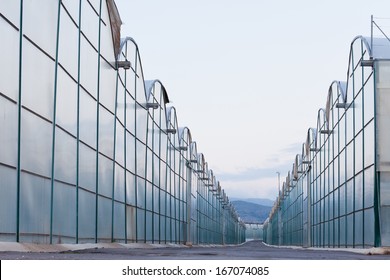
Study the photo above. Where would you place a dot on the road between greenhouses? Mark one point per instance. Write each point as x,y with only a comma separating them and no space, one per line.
252,250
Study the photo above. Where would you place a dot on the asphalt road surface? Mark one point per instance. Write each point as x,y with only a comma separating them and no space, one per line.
253,250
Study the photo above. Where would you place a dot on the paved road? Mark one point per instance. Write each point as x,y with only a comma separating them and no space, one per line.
254,250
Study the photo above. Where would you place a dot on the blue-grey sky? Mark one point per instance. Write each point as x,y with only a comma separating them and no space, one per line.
248,77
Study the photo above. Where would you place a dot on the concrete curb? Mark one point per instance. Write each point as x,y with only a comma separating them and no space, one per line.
52,248
367,251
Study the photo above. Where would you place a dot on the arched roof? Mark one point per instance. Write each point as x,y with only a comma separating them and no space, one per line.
378,48
172,117
185,135
311,138
322,120
124,41
341,90
149,84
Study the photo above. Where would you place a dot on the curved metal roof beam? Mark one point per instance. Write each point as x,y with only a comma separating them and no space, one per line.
123,43
185,132
324,130
149,85
303,150
367,45
194,152
185,140
341,91
311,138
365,42
171,111
201,160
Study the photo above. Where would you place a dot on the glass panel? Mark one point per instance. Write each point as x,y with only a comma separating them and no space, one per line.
149,229
106,132
64,213
37,93
359,152
358,113
156,232
342,165
8,201
156,200
11,11
359,229
369,227
120,114
67,102
36,144
104,219
141,96
149,130
163,236
131,223
87,207
119,222
9,72
369,187
72,8
342,231
105,176
68,50
359,192
369,145
130,115
107,86
88,119
156,168
140,224
41,29
65,157
87,168
350,230
34,209
130,152
149,196
350,161
350,190
150,169
119,192
369,100
120,146
141,193
106,45
90,23
342,200
141,123
9,132
141,154
336,232
130,189
88,64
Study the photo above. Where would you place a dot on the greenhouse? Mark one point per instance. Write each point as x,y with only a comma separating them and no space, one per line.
337,193
90,151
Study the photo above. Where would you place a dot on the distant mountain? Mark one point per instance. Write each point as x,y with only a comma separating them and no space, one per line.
251,212
260,201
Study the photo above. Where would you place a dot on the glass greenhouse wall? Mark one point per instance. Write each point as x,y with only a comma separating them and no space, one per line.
337,193
89,150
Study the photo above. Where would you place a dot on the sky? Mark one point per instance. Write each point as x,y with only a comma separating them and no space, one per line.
248,77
